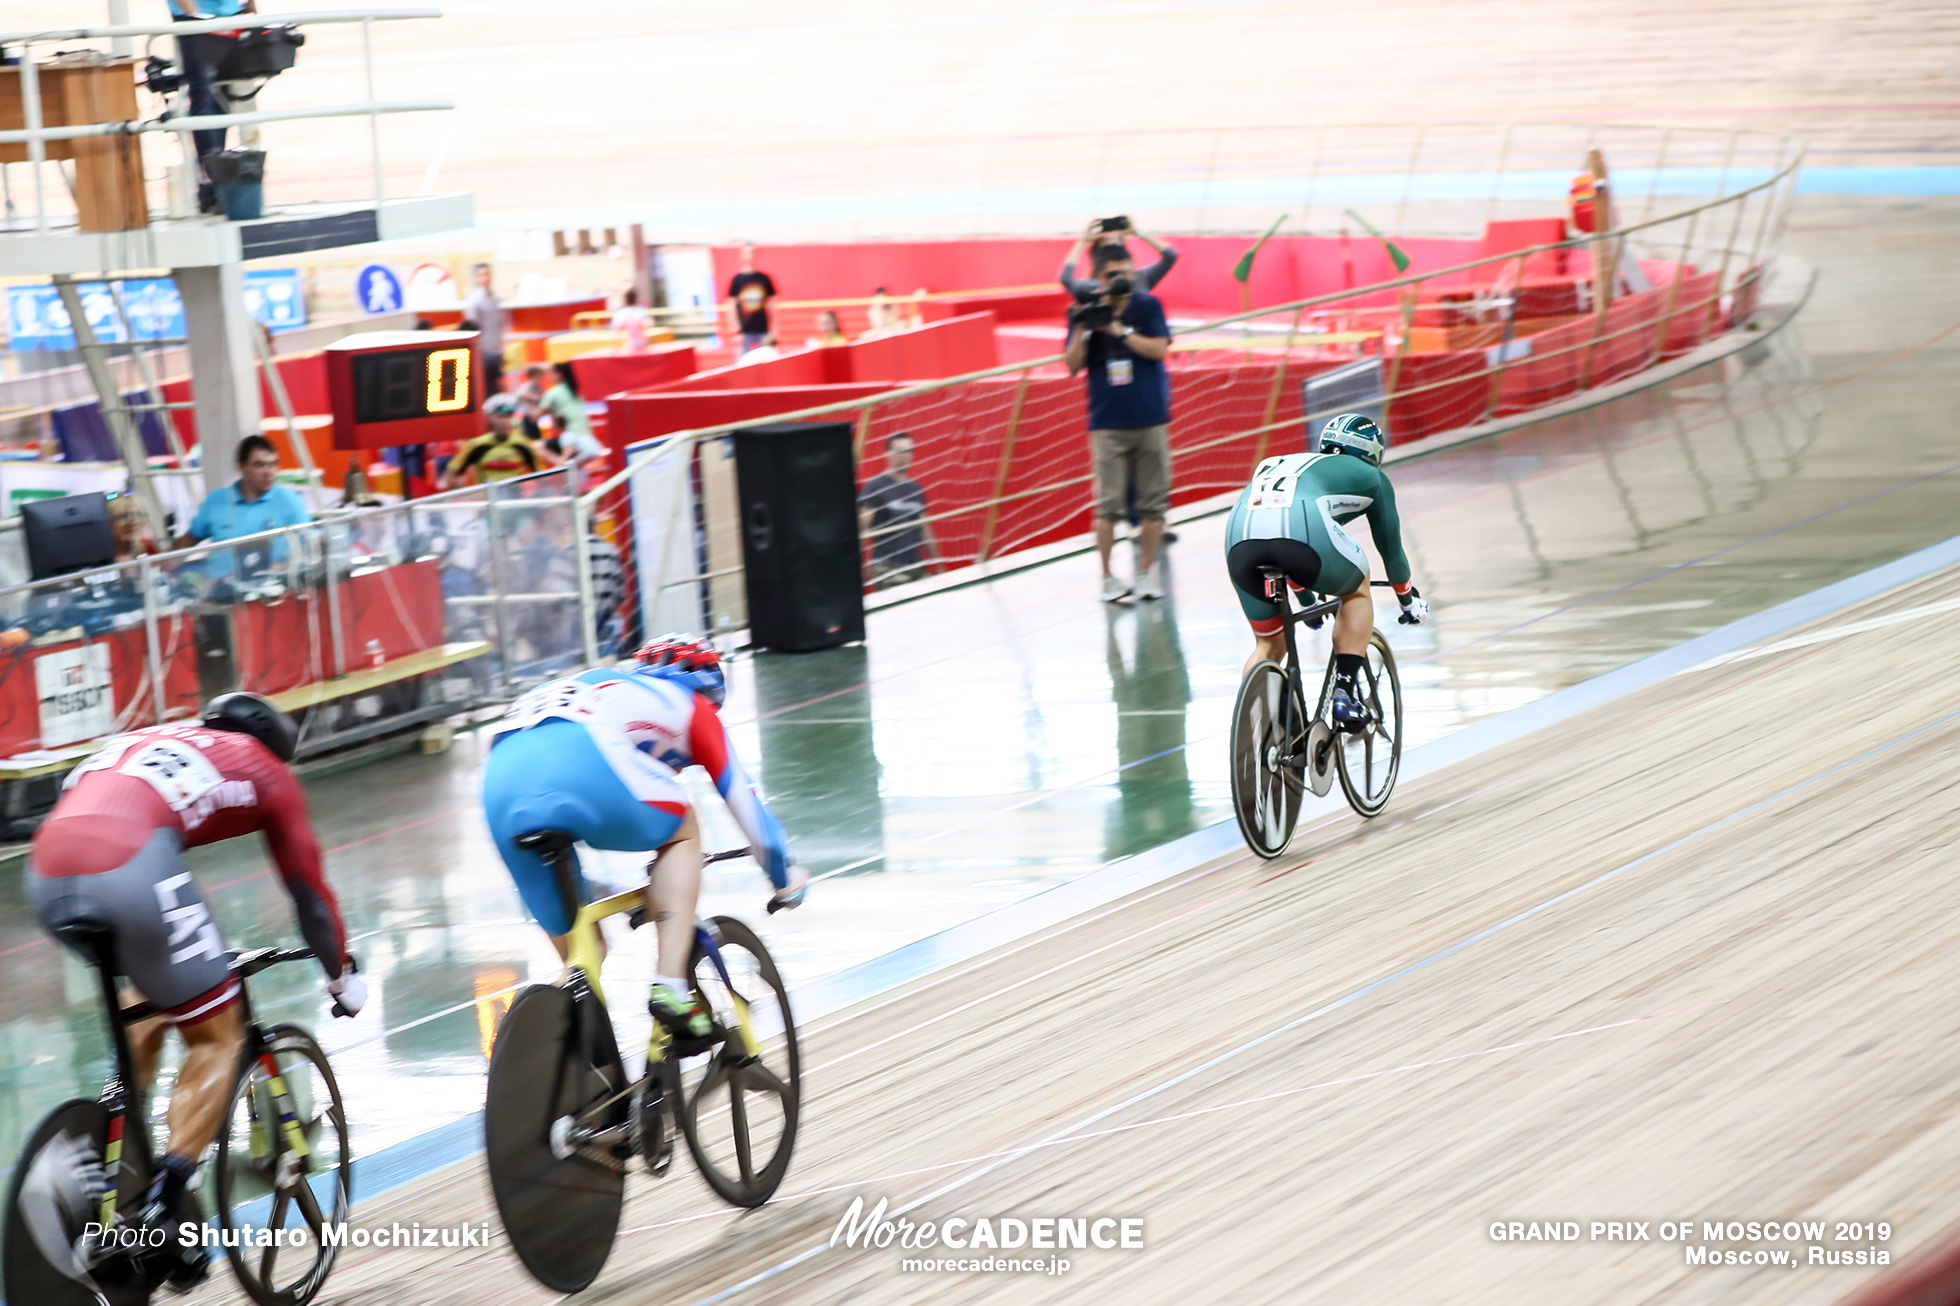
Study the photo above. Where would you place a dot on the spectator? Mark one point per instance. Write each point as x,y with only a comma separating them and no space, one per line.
632,319
615,623
530,398
497,455
127,519
200,54
749,295
254,502
880,315
483,309
829,331
892,516
1129,413
1095,237
576,443
762,353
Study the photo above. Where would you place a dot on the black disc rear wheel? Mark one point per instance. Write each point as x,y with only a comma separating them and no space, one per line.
739,1112
264,1184
1267,776
553,1060
73,1135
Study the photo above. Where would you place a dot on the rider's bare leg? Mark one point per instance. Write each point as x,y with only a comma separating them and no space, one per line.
203,1092
145,1041
673,890
1355,623
1265,648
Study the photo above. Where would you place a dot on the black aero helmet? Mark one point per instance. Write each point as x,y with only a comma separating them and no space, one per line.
254,715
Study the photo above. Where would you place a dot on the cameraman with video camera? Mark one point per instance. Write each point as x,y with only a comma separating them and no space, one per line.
1118,333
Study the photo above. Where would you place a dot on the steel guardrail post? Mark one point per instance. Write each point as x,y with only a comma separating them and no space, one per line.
330,575
152,641
587,602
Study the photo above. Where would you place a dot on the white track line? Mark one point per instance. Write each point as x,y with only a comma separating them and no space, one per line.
1069,1132
1341,1082
1827,634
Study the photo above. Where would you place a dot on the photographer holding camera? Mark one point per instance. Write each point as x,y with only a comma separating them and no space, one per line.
1114,231
1119,334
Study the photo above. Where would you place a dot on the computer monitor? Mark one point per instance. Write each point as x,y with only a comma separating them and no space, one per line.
71,533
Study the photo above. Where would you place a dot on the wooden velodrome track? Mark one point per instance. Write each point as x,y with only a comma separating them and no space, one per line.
1690,955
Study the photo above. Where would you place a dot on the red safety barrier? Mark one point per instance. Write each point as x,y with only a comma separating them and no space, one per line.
609,372
275,646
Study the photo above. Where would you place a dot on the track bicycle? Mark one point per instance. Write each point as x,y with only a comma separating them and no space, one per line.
284,1163
1280,750
562,1122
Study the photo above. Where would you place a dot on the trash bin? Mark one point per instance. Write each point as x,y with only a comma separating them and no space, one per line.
239,178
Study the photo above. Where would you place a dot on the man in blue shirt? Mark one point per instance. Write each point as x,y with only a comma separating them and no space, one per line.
1129,413
254,502
200,55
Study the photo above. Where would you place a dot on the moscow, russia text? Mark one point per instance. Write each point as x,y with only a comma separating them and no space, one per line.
1724,1242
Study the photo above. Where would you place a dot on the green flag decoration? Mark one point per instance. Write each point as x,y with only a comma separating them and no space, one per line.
1395,256
1242,272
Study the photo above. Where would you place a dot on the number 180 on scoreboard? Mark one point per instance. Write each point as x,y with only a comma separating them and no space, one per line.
404,387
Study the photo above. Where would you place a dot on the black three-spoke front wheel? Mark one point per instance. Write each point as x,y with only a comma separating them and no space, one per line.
1371,758
738,1111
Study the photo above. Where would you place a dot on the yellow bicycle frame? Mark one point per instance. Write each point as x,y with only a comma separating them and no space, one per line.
584,953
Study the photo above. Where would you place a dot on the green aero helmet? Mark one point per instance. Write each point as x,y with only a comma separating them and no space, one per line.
1354,433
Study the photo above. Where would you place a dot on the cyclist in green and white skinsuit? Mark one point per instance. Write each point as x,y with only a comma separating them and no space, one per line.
1291,515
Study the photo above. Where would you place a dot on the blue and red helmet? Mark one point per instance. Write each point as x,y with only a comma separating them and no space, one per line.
686,661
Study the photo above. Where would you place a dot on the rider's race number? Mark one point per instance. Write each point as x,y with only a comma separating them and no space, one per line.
563,699
1276,480
177,771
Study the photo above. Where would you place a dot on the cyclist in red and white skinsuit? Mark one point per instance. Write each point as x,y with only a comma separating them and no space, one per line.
111,853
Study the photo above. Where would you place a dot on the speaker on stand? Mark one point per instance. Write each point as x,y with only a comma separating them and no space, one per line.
800,550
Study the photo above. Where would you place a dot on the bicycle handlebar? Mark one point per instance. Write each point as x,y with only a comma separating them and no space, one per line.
246,964
726,855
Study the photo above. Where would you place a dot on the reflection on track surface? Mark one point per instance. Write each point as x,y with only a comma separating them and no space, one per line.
992,742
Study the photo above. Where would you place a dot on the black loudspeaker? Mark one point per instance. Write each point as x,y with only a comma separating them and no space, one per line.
800,549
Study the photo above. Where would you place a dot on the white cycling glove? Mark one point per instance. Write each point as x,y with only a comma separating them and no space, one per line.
1415,608
349,993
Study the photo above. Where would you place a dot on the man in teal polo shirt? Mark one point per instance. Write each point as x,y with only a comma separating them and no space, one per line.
252,503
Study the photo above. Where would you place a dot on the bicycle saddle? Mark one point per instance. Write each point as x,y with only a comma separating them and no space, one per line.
91,938
545,842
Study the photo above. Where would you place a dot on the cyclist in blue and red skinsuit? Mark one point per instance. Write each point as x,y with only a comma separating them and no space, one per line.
598,755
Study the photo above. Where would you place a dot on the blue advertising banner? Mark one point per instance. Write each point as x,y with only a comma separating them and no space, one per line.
275,297
36,318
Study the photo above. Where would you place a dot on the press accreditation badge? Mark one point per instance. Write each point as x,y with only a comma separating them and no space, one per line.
1121,371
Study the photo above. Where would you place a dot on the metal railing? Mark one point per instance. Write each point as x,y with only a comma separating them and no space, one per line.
367,620
36,134
1004,460
1408,177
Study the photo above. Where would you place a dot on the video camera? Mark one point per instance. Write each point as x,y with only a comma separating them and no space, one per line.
1092,309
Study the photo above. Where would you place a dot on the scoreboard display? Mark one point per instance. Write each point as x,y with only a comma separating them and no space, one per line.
404,387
